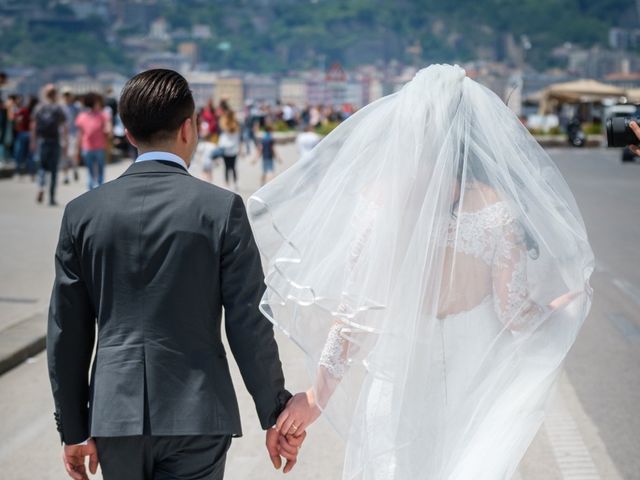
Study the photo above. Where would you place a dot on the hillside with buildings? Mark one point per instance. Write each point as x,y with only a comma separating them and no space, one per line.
277,35
317,51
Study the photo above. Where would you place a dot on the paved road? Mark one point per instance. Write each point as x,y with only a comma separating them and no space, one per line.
592,431
604,365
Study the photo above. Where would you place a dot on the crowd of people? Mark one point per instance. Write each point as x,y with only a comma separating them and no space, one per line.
51,133
225,136
57,132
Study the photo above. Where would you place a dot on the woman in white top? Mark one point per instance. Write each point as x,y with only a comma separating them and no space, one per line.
229,144
432,264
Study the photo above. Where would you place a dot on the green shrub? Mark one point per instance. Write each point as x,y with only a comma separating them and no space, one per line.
281,126
592,128
326,128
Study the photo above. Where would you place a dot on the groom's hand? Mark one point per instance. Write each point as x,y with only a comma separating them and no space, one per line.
272,447
73,457
283,446
289,449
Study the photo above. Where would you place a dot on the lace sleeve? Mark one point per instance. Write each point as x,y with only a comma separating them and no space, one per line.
335,354
509,275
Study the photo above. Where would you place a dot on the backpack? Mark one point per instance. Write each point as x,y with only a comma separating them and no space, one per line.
48,121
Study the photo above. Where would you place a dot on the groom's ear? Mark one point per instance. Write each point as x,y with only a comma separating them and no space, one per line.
130,138
186,132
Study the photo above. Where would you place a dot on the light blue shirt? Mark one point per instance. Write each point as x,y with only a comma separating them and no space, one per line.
166,156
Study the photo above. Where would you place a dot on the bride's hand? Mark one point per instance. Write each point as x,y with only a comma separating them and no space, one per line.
300,412
563,300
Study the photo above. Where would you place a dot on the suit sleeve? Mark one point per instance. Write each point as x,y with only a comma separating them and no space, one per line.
70,339
249,333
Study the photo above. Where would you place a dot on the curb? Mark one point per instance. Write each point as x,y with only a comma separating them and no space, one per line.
21,341
6,171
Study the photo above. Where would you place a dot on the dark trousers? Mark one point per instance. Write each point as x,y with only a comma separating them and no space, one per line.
230,168
21,153
49,157
148,457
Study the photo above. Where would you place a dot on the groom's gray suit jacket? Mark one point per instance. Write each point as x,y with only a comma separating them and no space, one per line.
151,259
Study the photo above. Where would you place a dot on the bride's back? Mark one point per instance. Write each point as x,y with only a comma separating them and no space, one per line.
480,223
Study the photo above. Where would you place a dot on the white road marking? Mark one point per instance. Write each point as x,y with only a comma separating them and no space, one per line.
630,290
567,425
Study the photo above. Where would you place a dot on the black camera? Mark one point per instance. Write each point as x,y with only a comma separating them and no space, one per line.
619,133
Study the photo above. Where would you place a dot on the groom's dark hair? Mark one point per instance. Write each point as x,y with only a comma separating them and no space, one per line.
154,104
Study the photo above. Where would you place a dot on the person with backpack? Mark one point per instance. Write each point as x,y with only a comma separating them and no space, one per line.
48,121
267,151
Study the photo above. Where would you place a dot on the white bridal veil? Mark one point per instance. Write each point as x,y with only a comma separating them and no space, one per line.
432,264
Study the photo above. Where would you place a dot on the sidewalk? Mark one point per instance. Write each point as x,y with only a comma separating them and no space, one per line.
27,240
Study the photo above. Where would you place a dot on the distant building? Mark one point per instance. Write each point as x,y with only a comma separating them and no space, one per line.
336,85
84,9
316,87
260,88
534,82
598,63
624,39
375,90
82,85
159,29
190,51
293,90
230,89
201,32
624,79
171,61
354,94
202,86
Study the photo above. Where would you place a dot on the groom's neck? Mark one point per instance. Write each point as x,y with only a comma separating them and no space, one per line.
165,147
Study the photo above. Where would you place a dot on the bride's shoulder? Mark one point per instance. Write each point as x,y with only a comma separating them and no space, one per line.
480,196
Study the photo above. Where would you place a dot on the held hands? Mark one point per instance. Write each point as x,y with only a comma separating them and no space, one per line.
73,457
287,436
286,446
299,414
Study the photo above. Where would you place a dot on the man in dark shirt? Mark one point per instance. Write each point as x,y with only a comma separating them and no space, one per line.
47,122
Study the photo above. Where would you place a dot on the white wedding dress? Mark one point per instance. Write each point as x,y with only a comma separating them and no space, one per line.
431,263
488,241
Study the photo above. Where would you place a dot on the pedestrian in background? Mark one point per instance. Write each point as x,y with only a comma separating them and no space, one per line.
93,127
22,127
306,141
267,151
3,127
49,119
110,109
248,128
12,106
209,116
229,145
71,153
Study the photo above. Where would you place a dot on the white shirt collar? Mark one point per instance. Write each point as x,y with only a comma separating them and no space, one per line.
166,156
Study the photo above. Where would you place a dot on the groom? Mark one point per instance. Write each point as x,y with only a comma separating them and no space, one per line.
146,263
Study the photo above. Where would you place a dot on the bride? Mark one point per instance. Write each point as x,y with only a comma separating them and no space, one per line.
430,261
